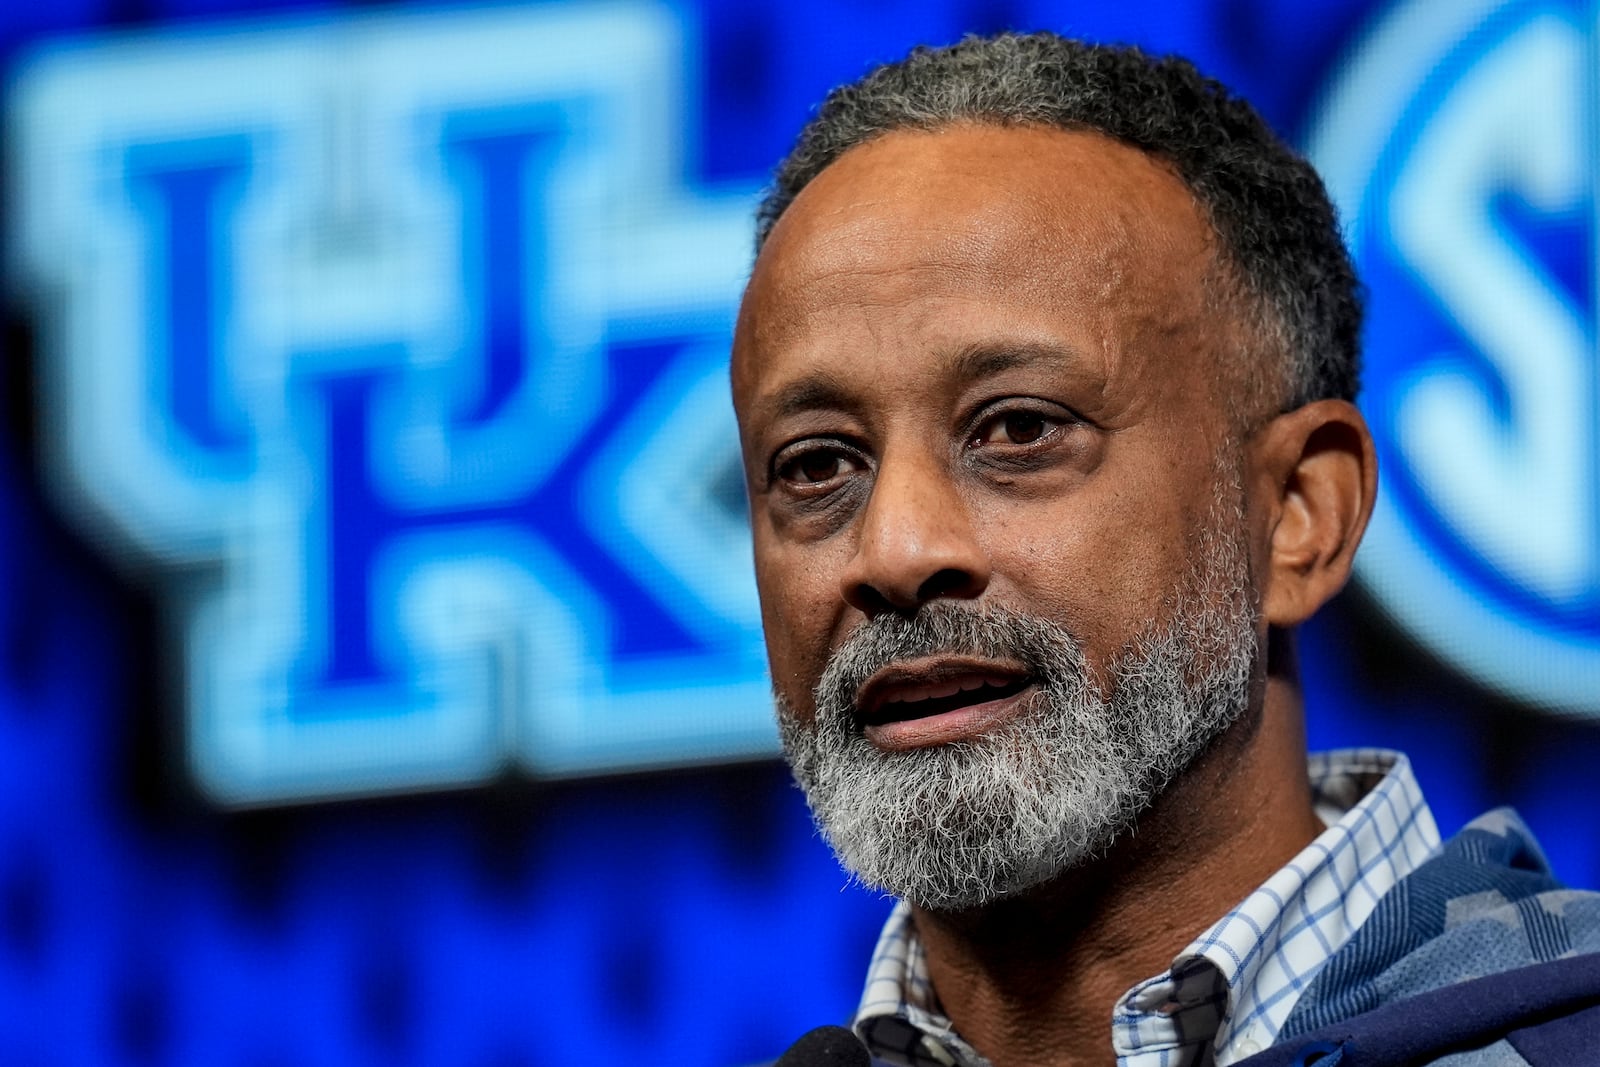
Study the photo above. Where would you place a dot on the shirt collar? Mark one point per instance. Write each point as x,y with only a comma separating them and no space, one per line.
1234,985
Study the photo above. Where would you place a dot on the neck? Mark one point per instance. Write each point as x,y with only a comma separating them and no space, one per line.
1031,981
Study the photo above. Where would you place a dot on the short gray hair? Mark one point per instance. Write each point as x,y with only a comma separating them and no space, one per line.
1278,230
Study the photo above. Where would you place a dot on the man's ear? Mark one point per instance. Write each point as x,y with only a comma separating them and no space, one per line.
1318,464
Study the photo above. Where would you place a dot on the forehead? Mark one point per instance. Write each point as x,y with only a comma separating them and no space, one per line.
1066,238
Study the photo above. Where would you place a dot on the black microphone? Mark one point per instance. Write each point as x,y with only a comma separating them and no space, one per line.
826,1046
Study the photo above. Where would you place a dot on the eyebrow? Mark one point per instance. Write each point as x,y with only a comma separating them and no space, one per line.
822,391
818,391
985,358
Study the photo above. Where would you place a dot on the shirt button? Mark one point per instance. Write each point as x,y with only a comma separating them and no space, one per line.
934,1048
1247,1047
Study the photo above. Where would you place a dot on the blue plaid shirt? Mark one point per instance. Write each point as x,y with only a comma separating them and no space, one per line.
1228,993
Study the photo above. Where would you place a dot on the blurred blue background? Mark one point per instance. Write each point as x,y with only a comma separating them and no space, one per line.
380,675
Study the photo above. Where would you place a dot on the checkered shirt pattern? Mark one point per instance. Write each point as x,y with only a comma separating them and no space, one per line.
1229,992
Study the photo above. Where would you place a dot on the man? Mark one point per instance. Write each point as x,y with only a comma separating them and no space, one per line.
1044,378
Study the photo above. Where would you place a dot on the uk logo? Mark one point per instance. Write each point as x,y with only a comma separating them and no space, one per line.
1460,144
397,346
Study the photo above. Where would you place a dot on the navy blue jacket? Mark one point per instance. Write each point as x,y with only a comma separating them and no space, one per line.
1480,955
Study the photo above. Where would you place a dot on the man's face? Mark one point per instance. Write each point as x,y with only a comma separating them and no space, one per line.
978,368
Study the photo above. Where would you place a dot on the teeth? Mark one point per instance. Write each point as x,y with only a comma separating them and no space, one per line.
912,693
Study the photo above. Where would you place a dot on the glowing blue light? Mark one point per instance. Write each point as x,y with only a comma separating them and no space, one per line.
400,350
1457,145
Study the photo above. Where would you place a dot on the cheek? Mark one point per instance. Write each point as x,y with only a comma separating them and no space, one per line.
800,611
1104,568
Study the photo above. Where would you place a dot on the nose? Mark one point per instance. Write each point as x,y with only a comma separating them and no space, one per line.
917,543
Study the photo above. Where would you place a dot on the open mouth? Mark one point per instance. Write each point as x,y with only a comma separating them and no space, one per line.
912,702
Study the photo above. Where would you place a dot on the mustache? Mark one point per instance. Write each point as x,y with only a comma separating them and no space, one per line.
946,628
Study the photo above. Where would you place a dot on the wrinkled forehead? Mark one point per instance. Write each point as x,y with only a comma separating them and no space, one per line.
1080,226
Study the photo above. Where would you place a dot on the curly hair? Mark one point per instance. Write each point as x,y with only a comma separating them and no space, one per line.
1278,231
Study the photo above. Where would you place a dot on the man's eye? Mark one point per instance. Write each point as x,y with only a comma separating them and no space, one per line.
817,466
1014,428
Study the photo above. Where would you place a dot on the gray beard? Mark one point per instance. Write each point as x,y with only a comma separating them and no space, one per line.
960,825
